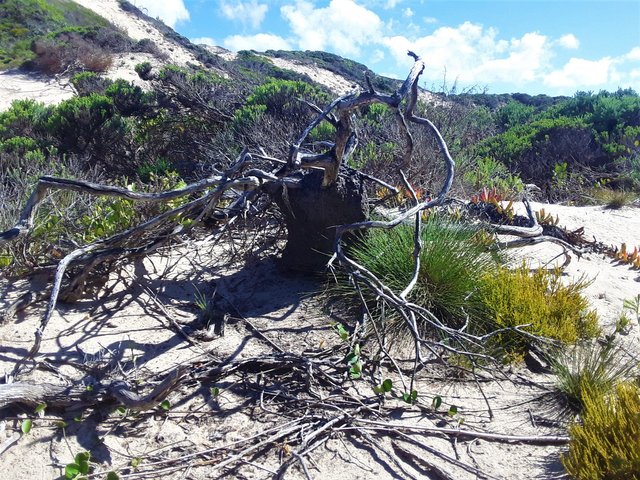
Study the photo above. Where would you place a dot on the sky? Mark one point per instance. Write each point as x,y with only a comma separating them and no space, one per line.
504,46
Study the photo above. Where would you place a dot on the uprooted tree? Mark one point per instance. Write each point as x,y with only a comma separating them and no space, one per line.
324,205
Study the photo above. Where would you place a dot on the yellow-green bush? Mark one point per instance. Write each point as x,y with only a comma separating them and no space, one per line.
606,444
539,299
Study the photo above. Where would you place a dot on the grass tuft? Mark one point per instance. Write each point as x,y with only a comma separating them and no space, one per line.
589,368
614,199
453,258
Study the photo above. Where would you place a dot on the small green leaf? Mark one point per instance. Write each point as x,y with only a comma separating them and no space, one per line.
344,334
452,410
165,405
135,462
215,391
26,426
352,358
113,476
436,402
40,408
72,471
121,410
378,390
414,395
406,397
387,385
62,424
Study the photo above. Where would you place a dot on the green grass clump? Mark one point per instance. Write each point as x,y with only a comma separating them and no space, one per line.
605,444
614,199
592,368
540,300
453,259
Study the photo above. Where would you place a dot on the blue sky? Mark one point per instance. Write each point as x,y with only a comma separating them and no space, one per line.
543,46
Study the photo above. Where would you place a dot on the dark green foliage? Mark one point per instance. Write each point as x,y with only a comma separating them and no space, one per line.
129,99
143,70
87,83
80,121
514,113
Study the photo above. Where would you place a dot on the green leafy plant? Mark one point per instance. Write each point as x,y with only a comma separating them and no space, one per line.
79,468
633,306
26,425
545,218
384,387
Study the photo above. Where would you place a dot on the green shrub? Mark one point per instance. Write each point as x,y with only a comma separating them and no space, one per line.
143,70
87,83
323,131
129,99
247,115
514,113
78,121
604,445
24,118
281,97
490,174
541,301
453,260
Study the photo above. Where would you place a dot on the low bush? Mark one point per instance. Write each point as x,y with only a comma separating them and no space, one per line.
604,445
540,303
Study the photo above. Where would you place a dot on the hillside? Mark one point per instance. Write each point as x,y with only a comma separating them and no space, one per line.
209,268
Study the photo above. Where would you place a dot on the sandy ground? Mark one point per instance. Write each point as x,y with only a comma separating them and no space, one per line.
127,325
15,85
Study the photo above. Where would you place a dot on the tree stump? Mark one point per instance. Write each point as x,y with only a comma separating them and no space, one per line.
311,214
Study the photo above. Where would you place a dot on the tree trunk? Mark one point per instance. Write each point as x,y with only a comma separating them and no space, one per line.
311,214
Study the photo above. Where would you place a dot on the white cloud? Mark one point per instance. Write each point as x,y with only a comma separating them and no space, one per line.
169,11
377,56
430,20
343,26
249,13
633,55
204,41
580,72
569,41
474,54
391,4
606,73
260,42
407,12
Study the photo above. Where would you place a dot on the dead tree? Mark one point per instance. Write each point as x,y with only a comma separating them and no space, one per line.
324,204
